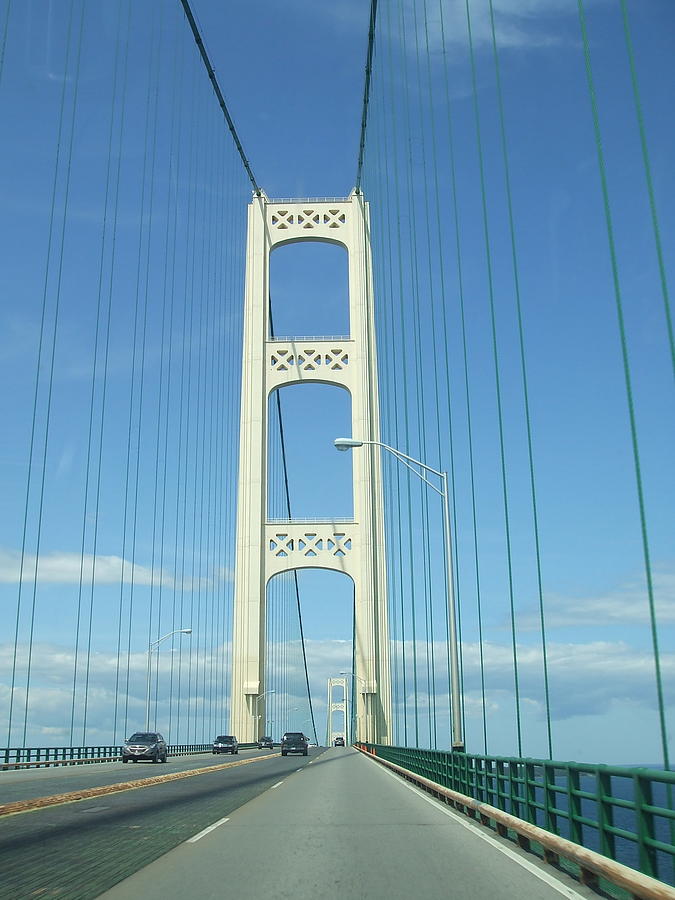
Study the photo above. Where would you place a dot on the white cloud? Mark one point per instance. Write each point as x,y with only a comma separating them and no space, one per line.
626,604
68,568
586,680
519,24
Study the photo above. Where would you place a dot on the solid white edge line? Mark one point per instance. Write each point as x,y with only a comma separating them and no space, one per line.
276,785
203,833
553,882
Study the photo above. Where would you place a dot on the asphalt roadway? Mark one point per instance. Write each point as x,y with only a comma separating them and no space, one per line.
78,850
24,784
343,828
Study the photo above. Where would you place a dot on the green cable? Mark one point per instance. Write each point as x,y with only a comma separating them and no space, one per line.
523,370
5,30
495,354
106,357
392,396
403,357
650,183
441,344
411,554
392,382
175,161
160,466
424,491
184,404
92,398
132,397
57,307
628,384
467,397
207,467
38,367
397,570
120,143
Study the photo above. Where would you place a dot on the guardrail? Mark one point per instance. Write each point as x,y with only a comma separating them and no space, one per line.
624,814
35,757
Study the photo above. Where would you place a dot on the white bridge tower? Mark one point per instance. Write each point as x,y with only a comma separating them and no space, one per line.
265,549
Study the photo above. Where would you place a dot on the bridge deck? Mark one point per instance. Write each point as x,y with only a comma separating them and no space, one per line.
344,827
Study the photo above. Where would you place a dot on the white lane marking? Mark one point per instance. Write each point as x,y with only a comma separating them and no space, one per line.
276,785
203,833
298,770
562,889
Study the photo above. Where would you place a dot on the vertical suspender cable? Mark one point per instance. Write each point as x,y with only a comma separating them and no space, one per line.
495,355
523,371
38,367
120,604
45,445
609,224
649,182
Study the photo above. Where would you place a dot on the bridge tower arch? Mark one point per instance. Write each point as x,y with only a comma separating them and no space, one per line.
266,548
339,705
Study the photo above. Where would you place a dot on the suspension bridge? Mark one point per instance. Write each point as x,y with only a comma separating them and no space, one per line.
480,318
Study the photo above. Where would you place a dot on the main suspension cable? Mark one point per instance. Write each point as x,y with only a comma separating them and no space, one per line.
219,94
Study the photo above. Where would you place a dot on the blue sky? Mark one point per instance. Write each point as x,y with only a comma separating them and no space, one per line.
292,75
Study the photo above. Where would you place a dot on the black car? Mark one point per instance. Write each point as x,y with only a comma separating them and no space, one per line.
266,742
144,745
339,742
226,743
294,742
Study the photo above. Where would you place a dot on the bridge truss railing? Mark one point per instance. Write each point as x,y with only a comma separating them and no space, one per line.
626,814
33,757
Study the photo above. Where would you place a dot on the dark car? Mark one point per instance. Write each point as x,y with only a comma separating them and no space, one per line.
226,743
294,742
339,742
266,742
144,745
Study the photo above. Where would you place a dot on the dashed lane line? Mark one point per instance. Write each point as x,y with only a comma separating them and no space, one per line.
205,831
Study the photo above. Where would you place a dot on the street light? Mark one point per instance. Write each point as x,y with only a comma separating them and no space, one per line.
409,462
150,649
356,718
255,713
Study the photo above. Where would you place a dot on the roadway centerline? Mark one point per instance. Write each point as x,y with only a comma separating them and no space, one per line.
22,806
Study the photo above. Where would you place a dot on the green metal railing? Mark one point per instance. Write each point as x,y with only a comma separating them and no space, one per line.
623,813
19,757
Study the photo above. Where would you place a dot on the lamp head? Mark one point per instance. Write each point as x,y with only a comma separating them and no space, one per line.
186,631
346,443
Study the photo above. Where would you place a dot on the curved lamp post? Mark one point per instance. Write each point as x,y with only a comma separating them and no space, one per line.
255,713
150,649
410,462
356,718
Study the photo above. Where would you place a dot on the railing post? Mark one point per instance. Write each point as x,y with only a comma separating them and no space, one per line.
514,797
530,792
605,813
645,825
550,798
574,806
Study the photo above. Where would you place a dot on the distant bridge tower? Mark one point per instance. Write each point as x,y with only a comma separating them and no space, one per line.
342,706
265,549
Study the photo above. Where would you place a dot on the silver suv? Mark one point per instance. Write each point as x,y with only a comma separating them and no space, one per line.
145,745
